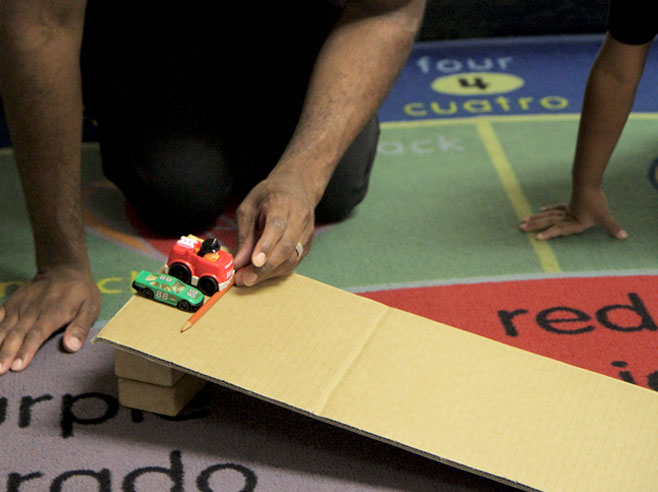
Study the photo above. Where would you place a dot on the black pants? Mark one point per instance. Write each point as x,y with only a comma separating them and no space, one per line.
195,104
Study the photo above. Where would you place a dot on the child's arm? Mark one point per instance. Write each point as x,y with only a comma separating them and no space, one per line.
609,97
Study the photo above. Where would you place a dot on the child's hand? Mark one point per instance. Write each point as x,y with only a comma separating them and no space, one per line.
587,208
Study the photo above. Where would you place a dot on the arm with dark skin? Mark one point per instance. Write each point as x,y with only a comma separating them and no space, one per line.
608,100
354,72
41,89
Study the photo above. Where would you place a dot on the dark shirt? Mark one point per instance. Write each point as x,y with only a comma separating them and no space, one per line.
633,21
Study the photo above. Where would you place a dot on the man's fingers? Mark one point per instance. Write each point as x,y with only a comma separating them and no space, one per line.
275,216
75,335
276,227
250,276
77,331
50,302
297,230
30,342
6,325
245,276
245,248
246,219
12,333
24,344
252,261
13,342
282,260
36,330
8,347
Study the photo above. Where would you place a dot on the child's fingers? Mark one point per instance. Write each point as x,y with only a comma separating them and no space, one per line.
560,230
543,220
612,227
557,206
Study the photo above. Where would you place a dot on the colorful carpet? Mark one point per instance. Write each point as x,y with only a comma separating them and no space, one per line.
475,135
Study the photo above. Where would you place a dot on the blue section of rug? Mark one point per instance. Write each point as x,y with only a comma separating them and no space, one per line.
502,76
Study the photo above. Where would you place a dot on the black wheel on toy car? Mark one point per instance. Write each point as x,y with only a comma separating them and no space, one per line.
148,293
184,306
208,285
181,272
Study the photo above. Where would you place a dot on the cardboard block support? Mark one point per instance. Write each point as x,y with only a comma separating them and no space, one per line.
163,400
131,366
433,389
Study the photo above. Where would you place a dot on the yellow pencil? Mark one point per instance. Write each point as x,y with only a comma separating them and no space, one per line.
202,310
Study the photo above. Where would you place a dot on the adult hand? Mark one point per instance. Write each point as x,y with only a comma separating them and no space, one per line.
274,217
587,208
56,298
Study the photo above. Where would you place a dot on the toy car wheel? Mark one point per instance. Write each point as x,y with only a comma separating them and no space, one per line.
148,293
184,306
181,272
208,285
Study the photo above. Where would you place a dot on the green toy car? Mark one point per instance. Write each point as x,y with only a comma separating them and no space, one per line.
168,289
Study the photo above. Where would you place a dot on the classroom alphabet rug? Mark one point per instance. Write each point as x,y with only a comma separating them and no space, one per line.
475,135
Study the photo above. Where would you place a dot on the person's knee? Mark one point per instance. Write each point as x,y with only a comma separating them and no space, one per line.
337,205
176,187
174,212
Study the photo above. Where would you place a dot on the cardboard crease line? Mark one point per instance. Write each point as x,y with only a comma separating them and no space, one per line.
345,368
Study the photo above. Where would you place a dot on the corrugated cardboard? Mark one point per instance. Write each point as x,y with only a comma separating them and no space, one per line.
435,390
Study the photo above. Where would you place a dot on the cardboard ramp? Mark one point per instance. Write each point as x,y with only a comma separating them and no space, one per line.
439,391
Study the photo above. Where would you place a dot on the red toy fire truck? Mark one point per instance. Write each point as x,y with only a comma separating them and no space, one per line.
201,263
